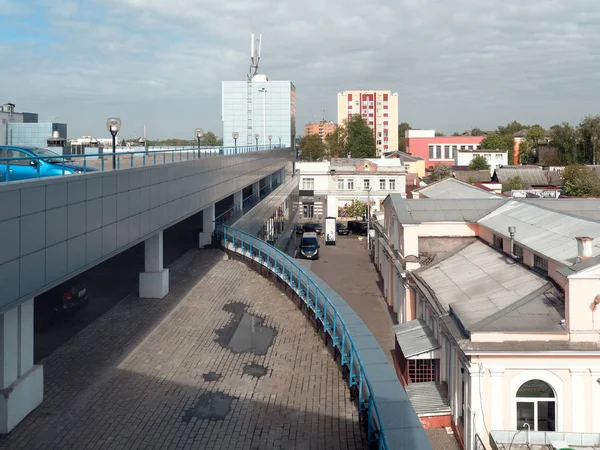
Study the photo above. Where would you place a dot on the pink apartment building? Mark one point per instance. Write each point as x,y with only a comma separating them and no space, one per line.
498,309
438,149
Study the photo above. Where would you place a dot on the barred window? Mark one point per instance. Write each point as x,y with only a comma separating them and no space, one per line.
540,264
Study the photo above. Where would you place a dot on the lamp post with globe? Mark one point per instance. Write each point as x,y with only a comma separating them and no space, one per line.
235,135
114,125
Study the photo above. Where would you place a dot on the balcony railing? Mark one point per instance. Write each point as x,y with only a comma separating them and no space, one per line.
336,331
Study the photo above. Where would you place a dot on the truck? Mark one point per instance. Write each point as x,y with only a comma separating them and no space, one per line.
330,231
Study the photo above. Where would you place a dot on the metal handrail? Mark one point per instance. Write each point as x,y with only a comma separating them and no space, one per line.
149,157
285,267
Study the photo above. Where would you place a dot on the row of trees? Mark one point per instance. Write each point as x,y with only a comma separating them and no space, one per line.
353,137
209,139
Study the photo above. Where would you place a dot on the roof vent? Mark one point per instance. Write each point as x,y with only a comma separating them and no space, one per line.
584,248
56,134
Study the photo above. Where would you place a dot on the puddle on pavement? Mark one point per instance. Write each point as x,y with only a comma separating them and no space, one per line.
245,332
212,376
210,406
255,370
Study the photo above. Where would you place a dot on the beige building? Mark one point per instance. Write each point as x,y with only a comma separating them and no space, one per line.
380,111
322,128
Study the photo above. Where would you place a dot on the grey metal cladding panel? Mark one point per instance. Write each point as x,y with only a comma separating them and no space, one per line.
109,209
9,276
135,178
33,200
122,205
388,391
123,181
380,372
109,184
56,262
93,246
93,187
76,253
109,239
56,195
76,190
372,356
134,227
10,202
93,214
56,225
33,235
10,229
134,201
76,219
123,233
398,415
33,272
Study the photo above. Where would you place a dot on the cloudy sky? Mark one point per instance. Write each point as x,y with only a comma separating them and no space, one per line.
455,64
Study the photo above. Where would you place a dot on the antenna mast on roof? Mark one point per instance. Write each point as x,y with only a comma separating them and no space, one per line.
254,55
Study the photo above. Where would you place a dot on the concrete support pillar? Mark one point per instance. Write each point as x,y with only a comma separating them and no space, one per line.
238,199
154,282
208,225
21,382
256,189
270,181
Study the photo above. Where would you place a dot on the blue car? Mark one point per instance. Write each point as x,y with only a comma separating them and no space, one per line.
46,164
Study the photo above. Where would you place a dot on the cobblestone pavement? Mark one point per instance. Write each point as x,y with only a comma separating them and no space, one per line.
225,361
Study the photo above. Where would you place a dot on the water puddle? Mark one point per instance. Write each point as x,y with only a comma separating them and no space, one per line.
245,332
212,376
255,370
210,406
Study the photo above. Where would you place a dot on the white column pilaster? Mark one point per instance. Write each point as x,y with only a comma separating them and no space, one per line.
578,399
154,282
497,408
595,400
475,413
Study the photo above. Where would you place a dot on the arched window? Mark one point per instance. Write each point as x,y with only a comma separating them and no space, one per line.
536,406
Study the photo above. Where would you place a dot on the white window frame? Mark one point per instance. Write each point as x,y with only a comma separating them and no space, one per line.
366,183
307,182
350,184
392,184
341,183
382,184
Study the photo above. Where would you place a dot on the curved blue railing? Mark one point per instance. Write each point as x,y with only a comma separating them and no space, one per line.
333,324
149,157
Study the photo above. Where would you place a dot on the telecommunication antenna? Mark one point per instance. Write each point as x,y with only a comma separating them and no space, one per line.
254,55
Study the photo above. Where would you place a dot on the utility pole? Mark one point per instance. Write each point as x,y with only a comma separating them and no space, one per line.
369,218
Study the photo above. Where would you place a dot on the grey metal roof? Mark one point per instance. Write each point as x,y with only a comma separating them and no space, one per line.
443,210
453,188
529,175
480,176
429,398
486,291
415,338
588,208
549,233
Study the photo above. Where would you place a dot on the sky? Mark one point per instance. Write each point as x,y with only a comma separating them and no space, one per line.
455,64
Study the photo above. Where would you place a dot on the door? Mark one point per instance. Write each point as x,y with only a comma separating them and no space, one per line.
20,169
309,210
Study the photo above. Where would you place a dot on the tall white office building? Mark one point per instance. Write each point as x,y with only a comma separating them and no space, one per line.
260,107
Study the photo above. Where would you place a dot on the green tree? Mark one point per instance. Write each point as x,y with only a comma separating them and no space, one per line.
439,172
337,143
456,133
512,184
402,129
439,133
580,181
479,163
209,139
528,147
589,144
312,148
360,139
476,132
565,139
499,141
355,208
511,128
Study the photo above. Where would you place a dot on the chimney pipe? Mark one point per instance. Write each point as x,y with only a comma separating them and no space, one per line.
584,248
511,231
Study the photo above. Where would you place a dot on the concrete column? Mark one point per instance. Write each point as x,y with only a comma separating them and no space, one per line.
208,225
21,383
154,282
497,399
238,198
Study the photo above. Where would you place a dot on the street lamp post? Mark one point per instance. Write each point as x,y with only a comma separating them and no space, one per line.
256,136
270,137
235,135
369,218
199,134
264,91
279,141
114,125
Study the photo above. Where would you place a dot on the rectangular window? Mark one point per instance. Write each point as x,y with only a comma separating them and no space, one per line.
340,185
350,185
470,147
382,185
447,152
366,183
540,264
518,250
498,156
407,167
308,184
392,184
498,243
488,156
463,147
423,370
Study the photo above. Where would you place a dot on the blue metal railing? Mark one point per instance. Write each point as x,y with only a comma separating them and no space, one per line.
11,169
325,312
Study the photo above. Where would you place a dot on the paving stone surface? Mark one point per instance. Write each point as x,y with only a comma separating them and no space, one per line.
225,361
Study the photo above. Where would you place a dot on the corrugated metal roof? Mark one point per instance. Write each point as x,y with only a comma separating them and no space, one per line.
453,188
429,398
588,208
529,175
473,176
443,210
415,338
550,233
488,292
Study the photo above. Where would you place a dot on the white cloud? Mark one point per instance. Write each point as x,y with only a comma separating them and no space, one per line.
455,64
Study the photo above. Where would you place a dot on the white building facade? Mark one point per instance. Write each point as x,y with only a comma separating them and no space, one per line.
326,187
495,158
260,106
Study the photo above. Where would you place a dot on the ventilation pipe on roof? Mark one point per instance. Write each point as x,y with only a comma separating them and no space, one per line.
511,231
584,248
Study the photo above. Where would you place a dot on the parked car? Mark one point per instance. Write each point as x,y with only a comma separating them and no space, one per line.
47,164
341,229
313,227
309,245
62,300
299,229
358,227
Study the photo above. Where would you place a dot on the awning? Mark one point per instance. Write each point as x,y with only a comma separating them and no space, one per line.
416,340
429,398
